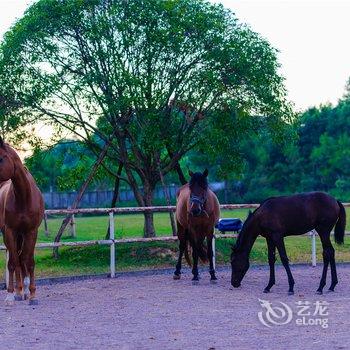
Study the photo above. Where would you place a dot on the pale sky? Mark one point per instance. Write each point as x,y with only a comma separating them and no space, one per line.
312,37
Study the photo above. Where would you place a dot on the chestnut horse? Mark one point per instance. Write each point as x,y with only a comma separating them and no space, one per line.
21,212
197,212
283,216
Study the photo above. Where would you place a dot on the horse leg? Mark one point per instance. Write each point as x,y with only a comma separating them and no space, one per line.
14,268
195,278
25,273
28,265
328,258
182,246
334,281
210,256
272,259
285,261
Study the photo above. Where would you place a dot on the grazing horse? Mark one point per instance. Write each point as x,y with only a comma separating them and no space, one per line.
21,212
278,217
197,212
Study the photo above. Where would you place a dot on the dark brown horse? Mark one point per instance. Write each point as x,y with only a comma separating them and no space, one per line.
21,212
287,216
197,212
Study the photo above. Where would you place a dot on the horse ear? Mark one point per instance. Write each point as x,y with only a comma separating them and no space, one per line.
2,144
205,173
190,173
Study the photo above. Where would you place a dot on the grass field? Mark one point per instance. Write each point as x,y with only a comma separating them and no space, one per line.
95,259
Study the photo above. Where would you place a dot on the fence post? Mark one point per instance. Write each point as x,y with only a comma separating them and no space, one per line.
47,233
313,248
112,247
214,252
72,227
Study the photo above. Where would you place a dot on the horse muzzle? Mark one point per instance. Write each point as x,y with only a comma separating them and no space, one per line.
235,284
196,212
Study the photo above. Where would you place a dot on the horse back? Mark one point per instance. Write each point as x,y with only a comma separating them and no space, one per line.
31,215
298,214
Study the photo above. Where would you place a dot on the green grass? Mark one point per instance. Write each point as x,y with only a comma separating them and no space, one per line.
95,259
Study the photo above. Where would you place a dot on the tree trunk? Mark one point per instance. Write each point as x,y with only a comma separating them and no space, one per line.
167,198
148,230
180,174
83,188
178,169
115,192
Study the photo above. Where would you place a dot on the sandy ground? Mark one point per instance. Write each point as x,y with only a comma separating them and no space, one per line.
156,312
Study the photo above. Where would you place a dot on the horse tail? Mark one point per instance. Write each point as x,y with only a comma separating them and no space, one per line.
20,244
339,230
202,252
187,255
200,249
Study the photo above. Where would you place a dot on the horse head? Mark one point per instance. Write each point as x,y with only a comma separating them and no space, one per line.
241,250
198,193
240,266
7,165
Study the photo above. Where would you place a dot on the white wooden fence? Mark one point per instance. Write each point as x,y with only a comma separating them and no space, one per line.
112,242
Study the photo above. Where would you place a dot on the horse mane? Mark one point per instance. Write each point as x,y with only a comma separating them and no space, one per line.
201,180
247,220
239,240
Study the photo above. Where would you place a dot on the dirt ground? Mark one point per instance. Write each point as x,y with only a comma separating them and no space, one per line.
156,312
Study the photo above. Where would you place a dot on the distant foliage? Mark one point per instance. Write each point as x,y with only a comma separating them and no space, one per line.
319,159
65,166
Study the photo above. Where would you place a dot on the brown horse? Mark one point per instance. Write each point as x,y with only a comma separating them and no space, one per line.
283,216
197,212
21,212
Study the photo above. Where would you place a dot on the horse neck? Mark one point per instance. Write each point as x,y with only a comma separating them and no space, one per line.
249,237
21,186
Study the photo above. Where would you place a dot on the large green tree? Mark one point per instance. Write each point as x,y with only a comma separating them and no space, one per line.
159,77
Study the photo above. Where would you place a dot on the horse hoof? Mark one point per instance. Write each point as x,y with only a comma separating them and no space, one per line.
10,299
214,281
266,291
176,277
330,290
18,298
290,293
33,302
319,292
195,282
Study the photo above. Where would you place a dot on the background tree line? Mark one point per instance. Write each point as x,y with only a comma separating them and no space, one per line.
318,159
141,84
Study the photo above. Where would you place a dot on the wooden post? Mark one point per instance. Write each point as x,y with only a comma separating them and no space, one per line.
112,247
72,227
167,198
313,248
47,233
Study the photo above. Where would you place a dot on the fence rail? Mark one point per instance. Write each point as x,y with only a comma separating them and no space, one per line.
133,210
112,242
